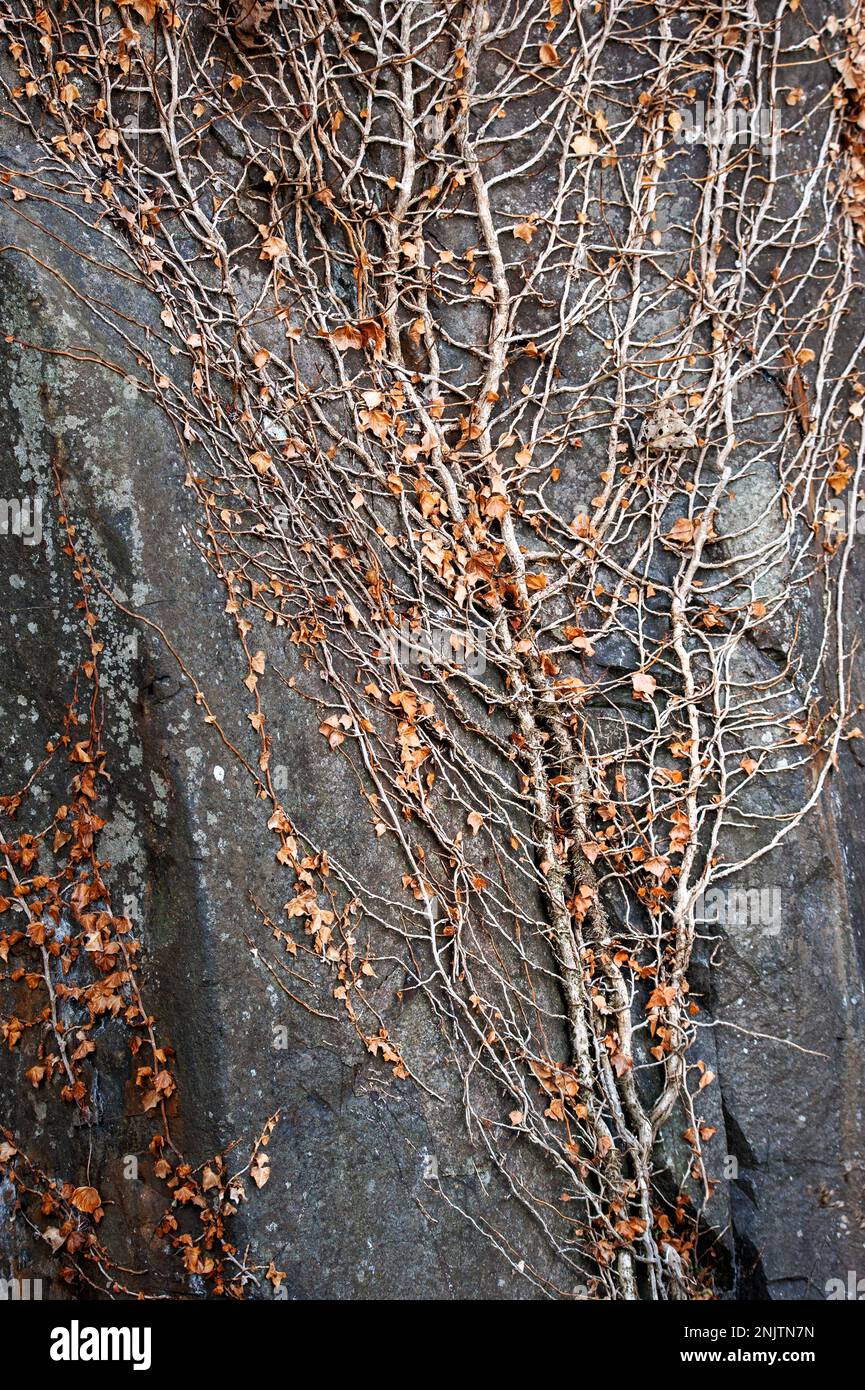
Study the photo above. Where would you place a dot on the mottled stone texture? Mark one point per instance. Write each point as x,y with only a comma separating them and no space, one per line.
349,1211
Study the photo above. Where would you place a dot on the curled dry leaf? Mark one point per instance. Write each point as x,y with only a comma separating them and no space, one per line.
643,684
260,1168
86,1199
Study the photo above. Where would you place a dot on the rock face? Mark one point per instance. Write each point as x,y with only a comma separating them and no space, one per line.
347,1213
376,1188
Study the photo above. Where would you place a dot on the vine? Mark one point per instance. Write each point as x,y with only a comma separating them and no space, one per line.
516,424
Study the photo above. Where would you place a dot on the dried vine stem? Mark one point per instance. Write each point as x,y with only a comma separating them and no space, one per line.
89,973
521,419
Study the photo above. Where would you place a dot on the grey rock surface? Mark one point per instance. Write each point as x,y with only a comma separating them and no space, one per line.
368,1171
349,1211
